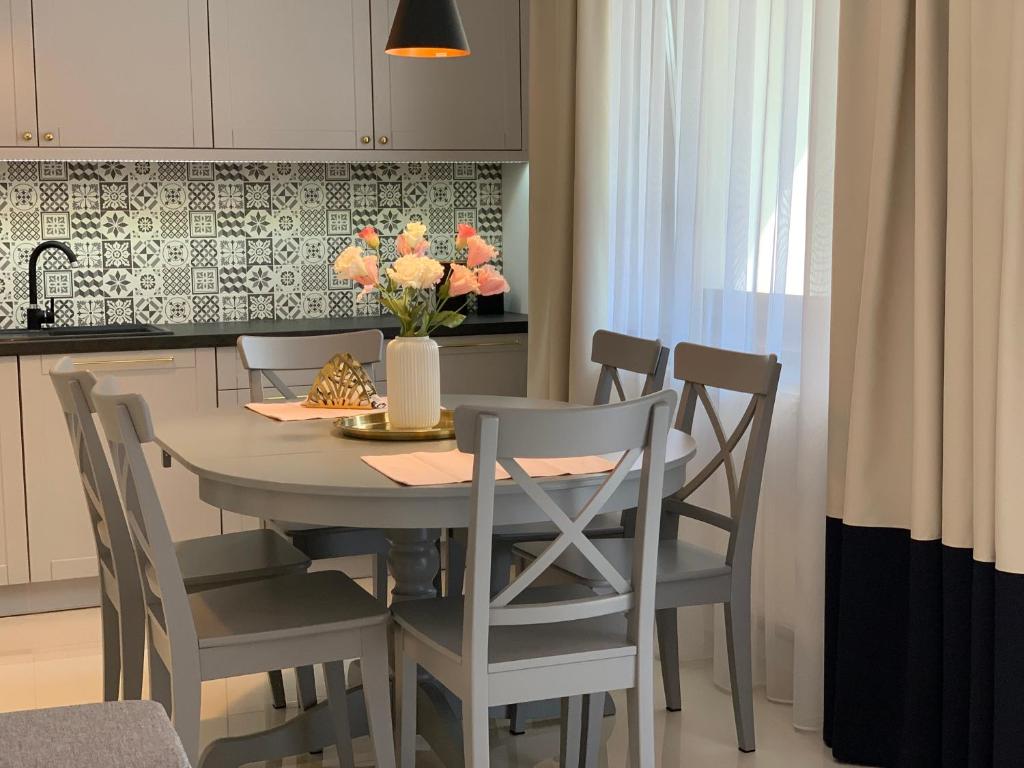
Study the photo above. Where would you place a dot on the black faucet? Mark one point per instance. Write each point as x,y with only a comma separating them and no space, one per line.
37,316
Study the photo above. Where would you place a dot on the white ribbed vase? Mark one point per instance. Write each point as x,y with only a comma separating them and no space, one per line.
414,382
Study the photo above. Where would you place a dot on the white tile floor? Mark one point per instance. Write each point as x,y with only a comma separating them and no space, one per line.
55,659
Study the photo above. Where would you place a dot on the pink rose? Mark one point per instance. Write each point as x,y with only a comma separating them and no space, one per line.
491,281
480,252
402,245
369,236
462,238
370,279
420,249
461,281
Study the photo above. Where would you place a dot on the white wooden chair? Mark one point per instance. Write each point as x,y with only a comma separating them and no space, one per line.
522,645
615,353
688,574
266,358
205,563
298,619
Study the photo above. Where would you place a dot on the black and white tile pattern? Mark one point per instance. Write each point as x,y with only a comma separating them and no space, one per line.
194,242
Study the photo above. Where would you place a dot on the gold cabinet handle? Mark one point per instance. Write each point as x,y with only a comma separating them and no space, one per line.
383,139
27,135
48,136
130,361
365,139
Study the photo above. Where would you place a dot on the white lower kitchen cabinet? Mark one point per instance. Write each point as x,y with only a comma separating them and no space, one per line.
13,536
180,382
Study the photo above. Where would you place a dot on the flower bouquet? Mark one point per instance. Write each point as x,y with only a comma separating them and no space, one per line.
416,289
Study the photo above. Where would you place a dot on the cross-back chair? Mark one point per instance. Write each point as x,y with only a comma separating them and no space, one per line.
527,643
267,358
213,561
688,574
615,353
299,619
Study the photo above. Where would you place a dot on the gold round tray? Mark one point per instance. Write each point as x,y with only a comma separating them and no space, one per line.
375,426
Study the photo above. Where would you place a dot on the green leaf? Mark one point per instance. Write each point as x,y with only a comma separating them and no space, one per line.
448,319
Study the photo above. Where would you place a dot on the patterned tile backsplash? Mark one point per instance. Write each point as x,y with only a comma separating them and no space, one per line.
167,242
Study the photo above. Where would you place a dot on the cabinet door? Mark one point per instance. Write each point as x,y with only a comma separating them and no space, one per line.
17,77
474,102
483,365
291,75
175,383
123,73
13,535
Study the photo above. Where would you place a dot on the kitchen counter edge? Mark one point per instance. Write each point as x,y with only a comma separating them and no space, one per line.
197,335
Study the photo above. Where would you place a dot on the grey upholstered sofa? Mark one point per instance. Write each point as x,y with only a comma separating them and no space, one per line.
117,734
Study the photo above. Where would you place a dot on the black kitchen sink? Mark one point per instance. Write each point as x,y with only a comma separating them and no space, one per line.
84,331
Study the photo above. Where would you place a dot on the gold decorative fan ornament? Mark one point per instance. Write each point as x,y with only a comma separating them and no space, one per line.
343,383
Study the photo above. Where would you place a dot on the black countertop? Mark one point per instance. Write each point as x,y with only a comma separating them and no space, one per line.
189,335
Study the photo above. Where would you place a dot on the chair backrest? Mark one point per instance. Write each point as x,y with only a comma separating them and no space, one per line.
127,424
755,375
506,436
616,352
119,574
266,356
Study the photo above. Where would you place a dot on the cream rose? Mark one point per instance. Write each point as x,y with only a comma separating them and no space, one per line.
349,263
416,272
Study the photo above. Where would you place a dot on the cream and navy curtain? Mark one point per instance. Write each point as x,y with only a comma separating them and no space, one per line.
925,537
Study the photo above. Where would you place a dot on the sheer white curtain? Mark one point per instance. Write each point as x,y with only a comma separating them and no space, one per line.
717,120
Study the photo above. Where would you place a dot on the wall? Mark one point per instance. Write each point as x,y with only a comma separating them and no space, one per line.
198,242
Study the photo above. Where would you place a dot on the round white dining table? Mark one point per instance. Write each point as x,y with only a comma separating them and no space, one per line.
306,472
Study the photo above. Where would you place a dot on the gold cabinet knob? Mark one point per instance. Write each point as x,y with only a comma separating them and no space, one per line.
27,135
383,139
365,139
48,136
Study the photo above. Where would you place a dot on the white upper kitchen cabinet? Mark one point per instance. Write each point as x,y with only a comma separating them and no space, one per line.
13,534
175,383
122,73
469,103
17,81
291,75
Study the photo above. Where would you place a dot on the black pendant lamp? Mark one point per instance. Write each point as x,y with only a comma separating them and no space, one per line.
430,29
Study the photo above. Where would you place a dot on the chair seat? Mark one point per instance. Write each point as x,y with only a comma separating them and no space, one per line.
126,734
677,560
237,557
286,606
439,622
605,524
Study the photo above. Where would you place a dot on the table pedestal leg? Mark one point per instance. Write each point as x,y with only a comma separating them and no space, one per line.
413,562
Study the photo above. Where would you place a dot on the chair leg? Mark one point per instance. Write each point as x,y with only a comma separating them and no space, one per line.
376,690
516,720
305,687
476,743
111,649
571,732
278,700
456,561
593,729
640,703
380,577
337,698
405,702
186,700
668,646
159,680
501,566
133,652
737,638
